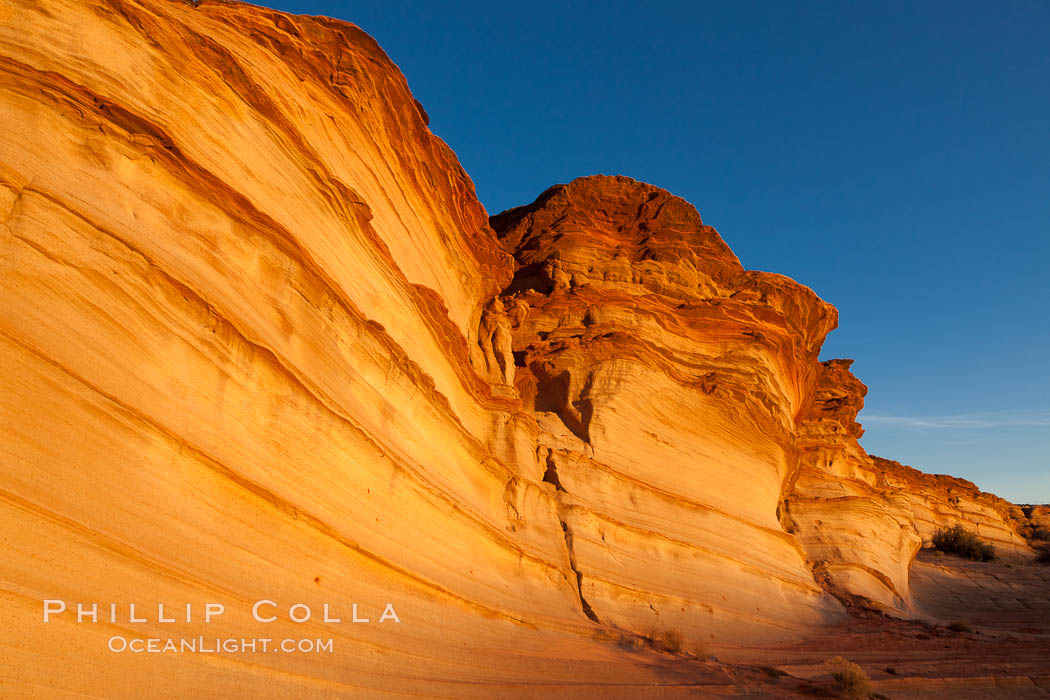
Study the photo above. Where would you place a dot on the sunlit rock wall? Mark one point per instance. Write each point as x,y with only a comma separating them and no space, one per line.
260,341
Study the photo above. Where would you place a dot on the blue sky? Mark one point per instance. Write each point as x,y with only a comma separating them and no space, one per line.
893,156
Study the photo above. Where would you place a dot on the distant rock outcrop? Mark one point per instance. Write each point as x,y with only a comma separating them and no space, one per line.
862,518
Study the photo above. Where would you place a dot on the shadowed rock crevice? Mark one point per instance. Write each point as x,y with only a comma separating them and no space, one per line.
587,609
554,394
550,476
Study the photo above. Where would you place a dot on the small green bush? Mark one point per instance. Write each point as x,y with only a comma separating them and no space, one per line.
853,682
959,540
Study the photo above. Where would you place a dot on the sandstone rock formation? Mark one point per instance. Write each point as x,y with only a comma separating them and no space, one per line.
640,313
262,342
1034,521
666,380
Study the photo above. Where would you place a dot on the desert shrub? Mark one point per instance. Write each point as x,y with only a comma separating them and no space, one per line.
627,641
773,671
671,640
1041,533
959,540
853,682
665,639
959,626
1044,557
700,651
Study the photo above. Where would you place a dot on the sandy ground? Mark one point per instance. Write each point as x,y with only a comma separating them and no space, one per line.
999,646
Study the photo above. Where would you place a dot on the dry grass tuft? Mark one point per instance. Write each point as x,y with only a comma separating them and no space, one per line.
671,640
666,639
853,682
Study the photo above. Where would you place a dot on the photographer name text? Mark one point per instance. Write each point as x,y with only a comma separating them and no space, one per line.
264,611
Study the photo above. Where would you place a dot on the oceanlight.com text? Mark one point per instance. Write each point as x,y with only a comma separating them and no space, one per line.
215,645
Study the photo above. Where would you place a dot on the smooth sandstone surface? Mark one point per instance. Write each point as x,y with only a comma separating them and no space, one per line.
261,341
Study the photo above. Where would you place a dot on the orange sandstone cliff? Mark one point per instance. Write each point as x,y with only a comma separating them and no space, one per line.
261,341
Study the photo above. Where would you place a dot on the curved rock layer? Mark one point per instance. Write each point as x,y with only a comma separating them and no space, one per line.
241,281
260,341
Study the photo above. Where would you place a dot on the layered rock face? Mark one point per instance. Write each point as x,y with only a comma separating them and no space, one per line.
666,380
862,518
659,366
261,342
240,278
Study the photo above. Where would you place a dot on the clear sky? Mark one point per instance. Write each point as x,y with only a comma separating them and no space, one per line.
893,156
